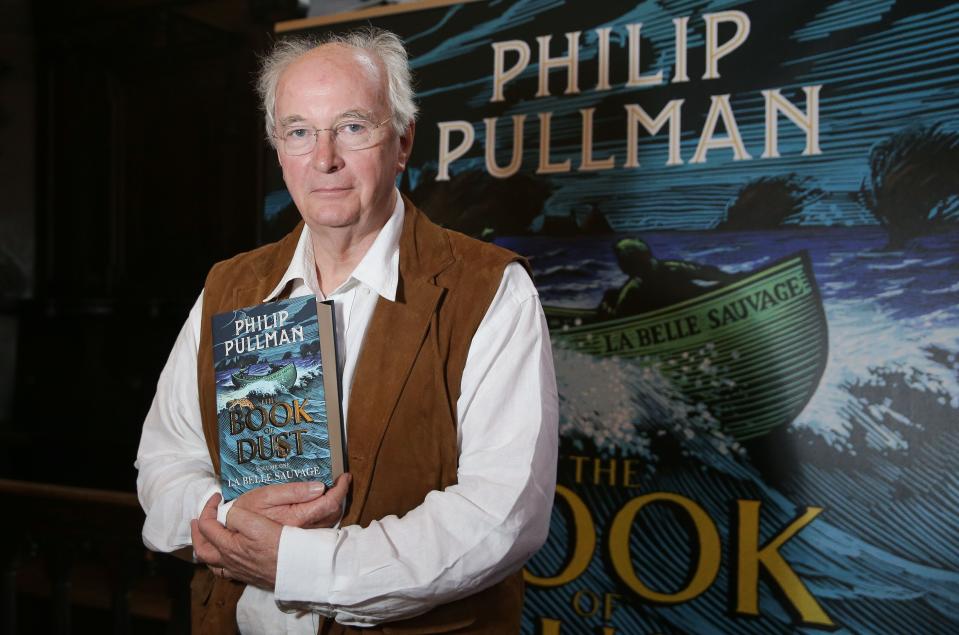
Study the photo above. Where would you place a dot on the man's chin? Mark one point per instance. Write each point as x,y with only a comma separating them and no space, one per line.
331,219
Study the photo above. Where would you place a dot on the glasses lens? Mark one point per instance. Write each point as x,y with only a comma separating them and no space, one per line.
297,141
354,134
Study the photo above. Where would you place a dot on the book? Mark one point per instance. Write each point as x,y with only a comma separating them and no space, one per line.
277,395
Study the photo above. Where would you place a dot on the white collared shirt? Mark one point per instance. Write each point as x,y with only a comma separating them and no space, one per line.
458,541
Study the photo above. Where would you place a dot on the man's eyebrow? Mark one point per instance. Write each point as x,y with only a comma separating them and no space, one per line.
290,119
356,114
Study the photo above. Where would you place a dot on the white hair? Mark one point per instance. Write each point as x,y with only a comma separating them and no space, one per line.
384,44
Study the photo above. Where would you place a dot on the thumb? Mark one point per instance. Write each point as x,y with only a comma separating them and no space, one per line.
210,508
292,493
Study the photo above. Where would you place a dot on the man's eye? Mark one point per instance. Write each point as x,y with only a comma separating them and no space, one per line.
297,133
352,128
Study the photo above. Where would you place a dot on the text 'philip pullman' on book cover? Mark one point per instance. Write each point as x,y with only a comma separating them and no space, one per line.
277,395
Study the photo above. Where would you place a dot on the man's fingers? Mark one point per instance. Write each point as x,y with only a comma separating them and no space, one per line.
203,548
248,523
209,510
300,504
337,494
290,493
325,511
262,498
213,533
341,486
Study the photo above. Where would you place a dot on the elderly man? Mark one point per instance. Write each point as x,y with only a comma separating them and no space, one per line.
449,394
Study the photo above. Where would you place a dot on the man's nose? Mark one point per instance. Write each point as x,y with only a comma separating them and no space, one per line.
326,155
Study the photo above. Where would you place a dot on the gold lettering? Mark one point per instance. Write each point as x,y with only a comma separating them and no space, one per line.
808,122
750,555
628,473
599,470
299,440
447,156
261,412
570,61
288,413
593,600
708,141
635,79
500,75
680,25
609,604
708,539
672,113
239,450
236,423
602,58
299,414
587,162
715,51
584,543
545,165
517,157
579,460
549,626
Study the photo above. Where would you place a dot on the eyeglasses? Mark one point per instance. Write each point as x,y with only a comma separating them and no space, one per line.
350,134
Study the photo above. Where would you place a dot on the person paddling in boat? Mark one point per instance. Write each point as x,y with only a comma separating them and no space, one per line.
654,283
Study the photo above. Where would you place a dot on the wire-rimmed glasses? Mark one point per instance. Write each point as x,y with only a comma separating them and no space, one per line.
349,134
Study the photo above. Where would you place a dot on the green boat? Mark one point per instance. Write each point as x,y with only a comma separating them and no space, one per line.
284,375
752,351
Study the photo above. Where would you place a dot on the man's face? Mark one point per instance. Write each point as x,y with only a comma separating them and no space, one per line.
331,186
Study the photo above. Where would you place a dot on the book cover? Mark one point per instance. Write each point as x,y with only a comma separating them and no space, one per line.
277,395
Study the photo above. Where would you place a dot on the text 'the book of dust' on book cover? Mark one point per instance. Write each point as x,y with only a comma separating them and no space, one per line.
277,395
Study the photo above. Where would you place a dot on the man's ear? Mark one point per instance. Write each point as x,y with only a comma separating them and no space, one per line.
406,147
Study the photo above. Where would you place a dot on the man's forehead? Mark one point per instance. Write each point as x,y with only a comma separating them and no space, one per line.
334,69
327,60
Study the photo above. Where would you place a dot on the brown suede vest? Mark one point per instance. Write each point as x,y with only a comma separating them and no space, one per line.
402,410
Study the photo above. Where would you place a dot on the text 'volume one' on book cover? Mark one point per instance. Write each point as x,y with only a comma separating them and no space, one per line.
277,395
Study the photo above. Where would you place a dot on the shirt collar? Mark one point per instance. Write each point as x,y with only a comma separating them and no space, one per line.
378,270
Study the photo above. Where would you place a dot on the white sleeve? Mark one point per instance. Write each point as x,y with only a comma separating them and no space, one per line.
175,477
470,535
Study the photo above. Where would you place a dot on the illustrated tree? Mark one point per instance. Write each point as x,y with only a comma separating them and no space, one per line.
913,185
764,203
479,205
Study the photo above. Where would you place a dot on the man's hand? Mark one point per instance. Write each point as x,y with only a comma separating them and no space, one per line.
305,504
246,552
247,549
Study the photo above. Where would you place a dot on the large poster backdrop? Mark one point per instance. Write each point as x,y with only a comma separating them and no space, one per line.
742,217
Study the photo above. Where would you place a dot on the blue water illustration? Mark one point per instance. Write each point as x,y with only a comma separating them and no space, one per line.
877,447
272,418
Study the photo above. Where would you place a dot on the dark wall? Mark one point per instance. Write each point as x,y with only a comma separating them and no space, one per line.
149,151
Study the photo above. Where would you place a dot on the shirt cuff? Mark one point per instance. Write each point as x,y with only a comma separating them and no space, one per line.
304,567
222,510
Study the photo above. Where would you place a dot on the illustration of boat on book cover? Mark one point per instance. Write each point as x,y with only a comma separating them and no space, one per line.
278,405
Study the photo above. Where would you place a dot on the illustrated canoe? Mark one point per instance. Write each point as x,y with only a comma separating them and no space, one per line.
752,351
284,375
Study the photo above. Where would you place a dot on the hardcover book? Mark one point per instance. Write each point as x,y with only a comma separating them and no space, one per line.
277,395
